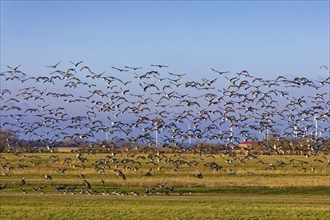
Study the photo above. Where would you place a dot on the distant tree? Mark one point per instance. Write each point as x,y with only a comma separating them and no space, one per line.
7,137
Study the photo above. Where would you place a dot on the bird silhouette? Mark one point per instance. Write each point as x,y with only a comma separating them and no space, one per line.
54,66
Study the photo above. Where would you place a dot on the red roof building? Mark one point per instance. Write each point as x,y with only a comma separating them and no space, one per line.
246,144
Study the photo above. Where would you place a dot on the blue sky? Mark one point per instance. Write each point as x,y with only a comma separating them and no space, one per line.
266,38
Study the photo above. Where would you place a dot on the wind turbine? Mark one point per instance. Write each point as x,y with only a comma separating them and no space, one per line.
316,126
231,133
267,135
156,132
295,128
189,133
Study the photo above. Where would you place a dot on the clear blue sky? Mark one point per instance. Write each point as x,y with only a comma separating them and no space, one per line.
266,38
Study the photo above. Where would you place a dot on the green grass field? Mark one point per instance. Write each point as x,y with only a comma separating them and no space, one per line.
237,187
201,206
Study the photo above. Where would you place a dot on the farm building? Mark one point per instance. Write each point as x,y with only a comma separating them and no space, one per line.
246,144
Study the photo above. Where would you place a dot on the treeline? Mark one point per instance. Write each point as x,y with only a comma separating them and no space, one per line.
10,142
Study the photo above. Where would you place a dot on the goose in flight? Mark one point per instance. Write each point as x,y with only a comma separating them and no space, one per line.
159,66
220,72
120,70
177,75
54,66
14,69
76,64
133,68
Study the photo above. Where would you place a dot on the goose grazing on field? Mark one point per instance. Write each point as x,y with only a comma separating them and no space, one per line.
62,171
199,175
86,183
135,193
148,173
162,185
121,174
48,177
23,182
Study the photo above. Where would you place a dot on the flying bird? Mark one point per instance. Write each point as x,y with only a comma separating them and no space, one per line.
120,70
14,69
76,64
133,68
159,66
220,72
54,66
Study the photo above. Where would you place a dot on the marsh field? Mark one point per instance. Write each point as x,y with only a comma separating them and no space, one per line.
163,185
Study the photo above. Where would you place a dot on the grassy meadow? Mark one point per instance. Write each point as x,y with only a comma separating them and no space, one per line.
155,185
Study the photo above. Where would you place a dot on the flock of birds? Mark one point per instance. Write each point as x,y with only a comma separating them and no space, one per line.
130,110
106,174
156,107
